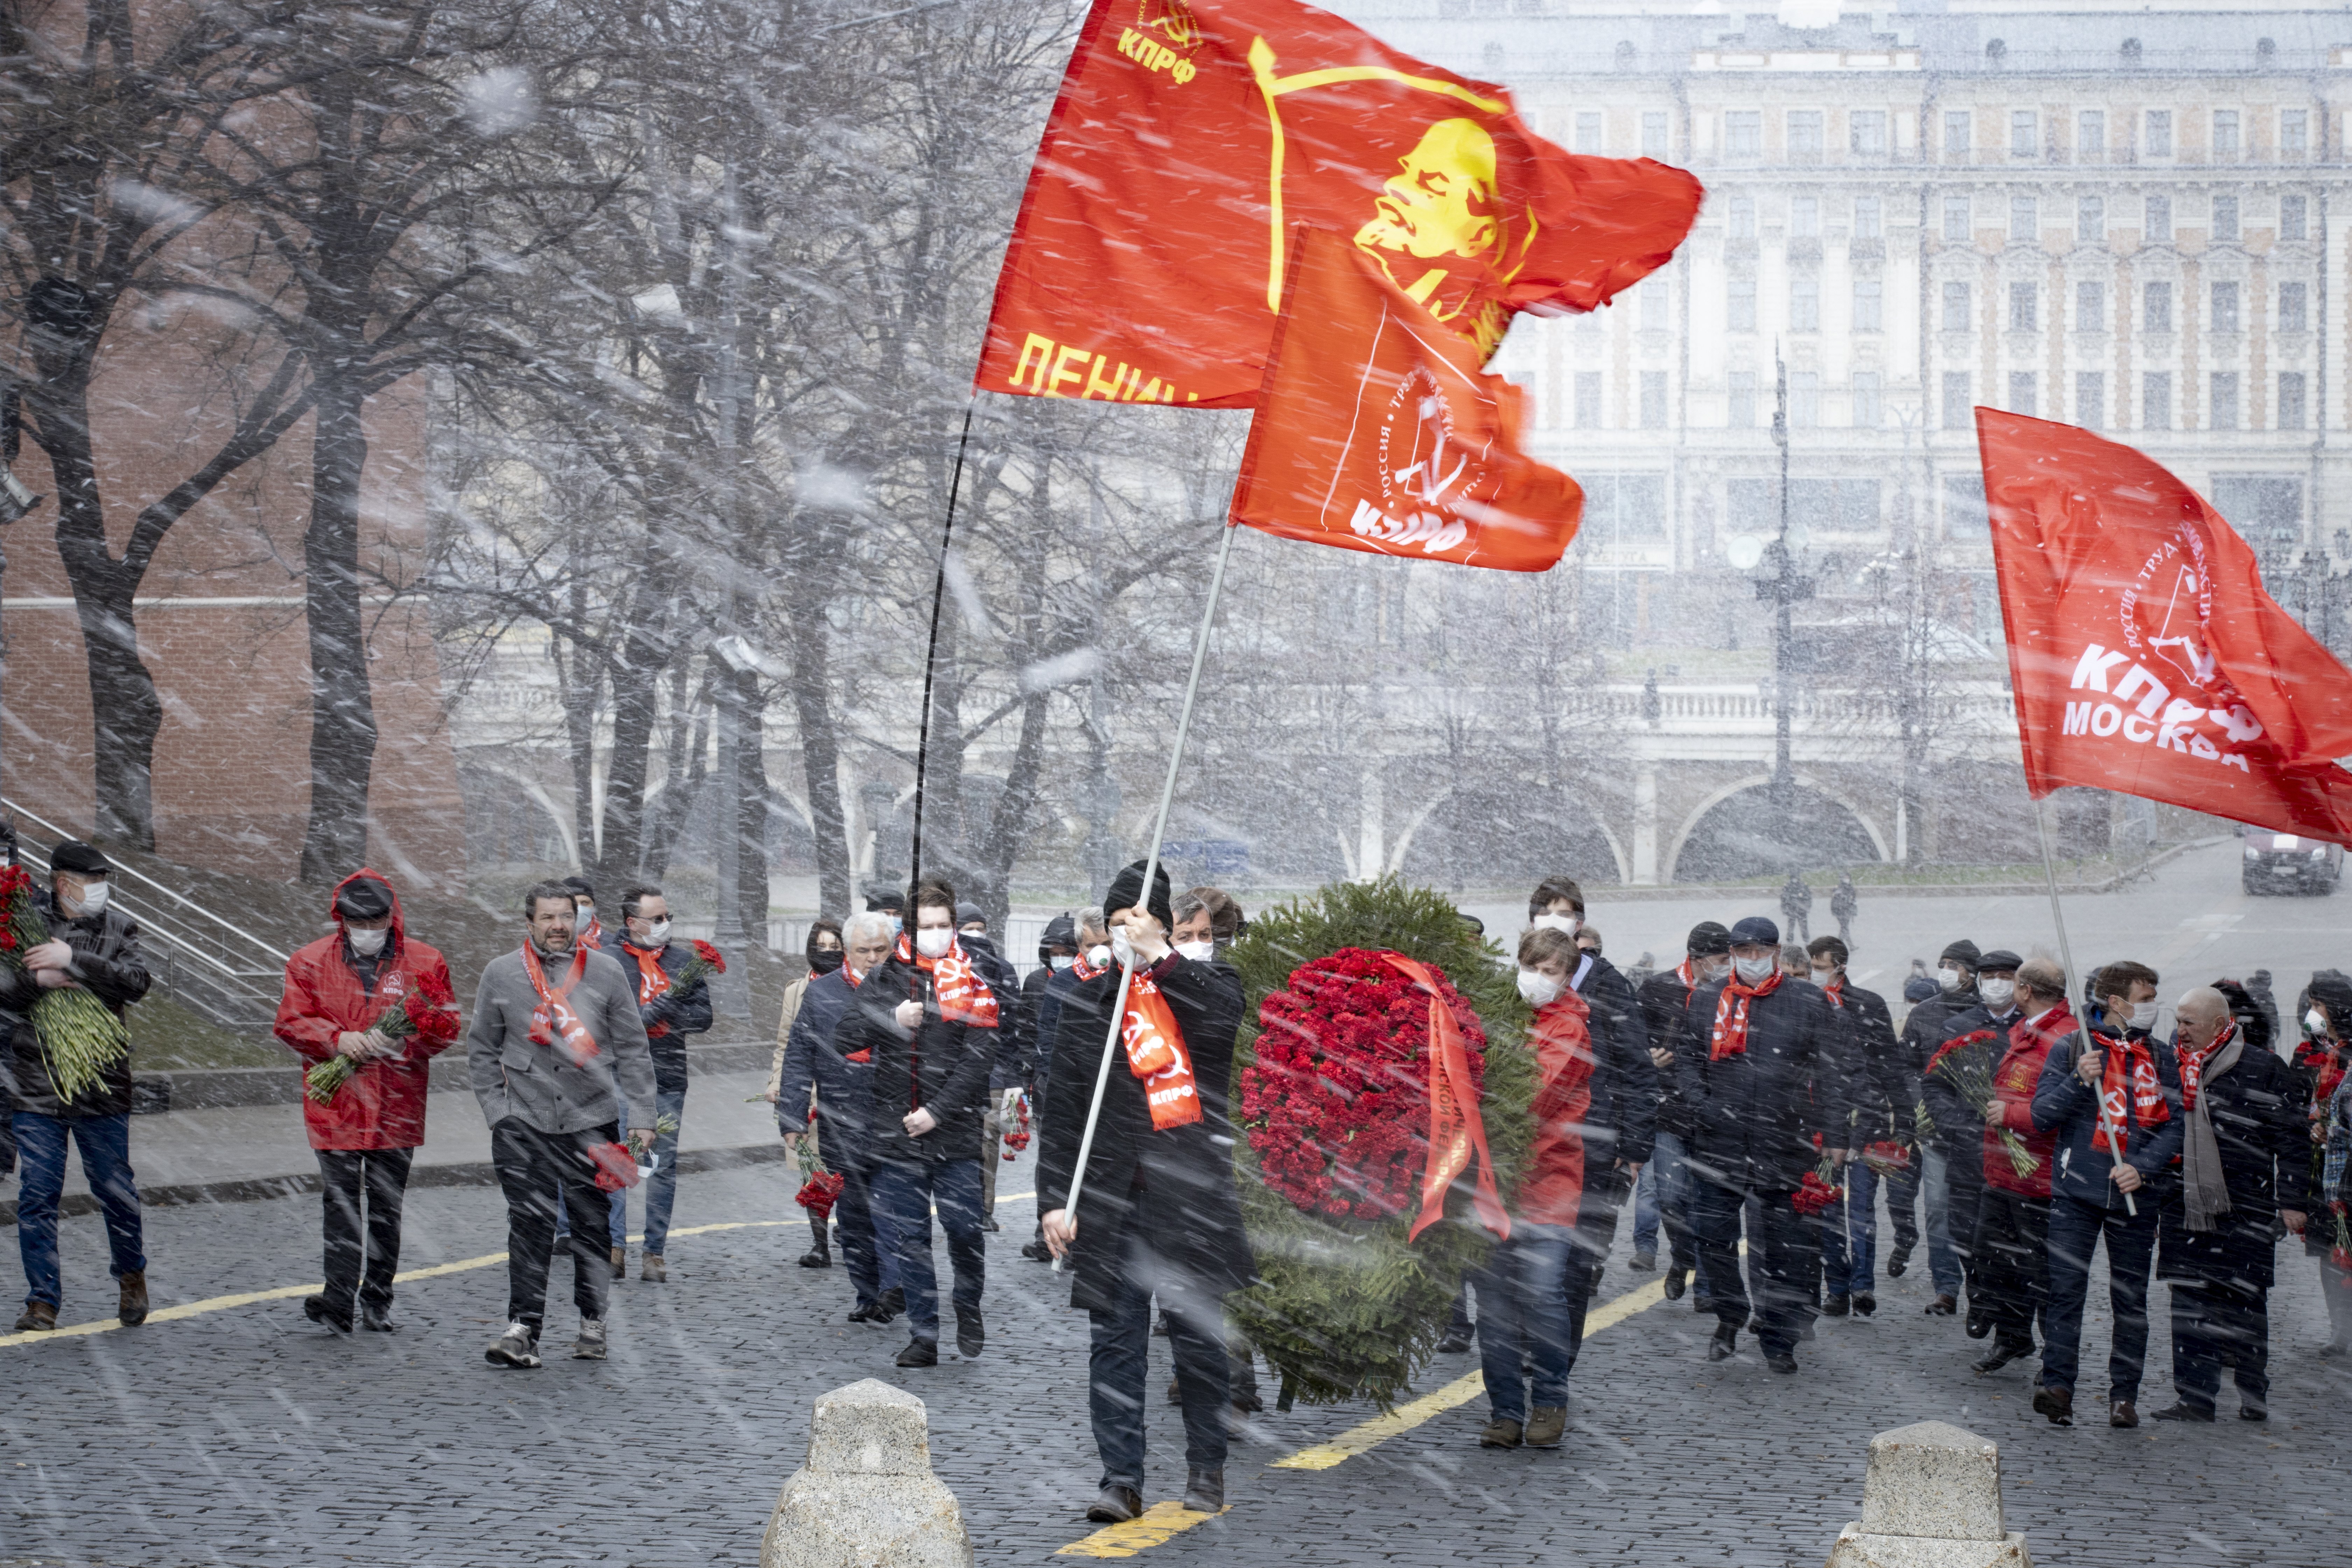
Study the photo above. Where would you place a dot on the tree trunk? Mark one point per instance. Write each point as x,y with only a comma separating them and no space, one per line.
636,696
1013,819
686,768
749,815
125,711
821,755
342,704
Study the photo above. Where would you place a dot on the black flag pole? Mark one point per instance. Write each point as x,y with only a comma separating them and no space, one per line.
932,654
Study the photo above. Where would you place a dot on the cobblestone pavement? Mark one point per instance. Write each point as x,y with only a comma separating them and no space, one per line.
249,1437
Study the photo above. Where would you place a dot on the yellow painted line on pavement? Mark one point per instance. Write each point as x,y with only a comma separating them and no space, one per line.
211,1304
1145,1529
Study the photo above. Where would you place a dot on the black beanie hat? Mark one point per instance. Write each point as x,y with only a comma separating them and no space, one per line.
1962,951
2333,990
1708,939
1126,891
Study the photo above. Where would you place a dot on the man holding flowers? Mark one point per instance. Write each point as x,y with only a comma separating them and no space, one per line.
674,1000
367,1008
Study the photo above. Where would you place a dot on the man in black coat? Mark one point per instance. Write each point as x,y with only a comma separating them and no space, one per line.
1956,984
1057,951
1762,1082
931,1022
1873,1070
94,948
844,1101
1010,1070
1156,1210
1665,1000
2245,1160
1980,1032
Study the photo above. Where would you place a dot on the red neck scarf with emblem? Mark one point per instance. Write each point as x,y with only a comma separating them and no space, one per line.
1687,973
1835,992
2128,1087
2193,1065
552,1022
964,997
1156,1053
653,981
1731,1037
855,979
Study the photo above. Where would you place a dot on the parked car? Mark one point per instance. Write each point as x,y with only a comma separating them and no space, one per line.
2278,862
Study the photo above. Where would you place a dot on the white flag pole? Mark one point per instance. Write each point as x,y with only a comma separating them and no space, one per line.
1151,869
2081,1019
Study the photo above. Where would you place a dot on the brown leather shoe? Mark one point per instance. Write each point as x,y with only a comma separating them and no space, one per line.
132,1307
620,1263
1546,1424
2123,1412
39,1317
1502,1433
652,1269
2058,1404
1943,1306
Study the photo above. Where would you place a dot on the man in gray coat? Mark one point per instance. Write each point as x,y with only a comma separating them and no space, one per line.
557,1043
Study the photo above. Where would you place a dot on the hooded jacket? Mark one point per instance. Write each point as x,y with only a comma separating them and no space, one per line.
108,962
382,1106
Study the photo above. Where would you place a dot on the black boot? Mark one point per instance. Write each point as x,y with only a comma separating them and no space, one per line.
820,1254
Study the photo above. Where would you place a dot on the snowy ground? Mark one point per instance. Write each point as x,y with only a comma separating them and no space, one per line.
244,1436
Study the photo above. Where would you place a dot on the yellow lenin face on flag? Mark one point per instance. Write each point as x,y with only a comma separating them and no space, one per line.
1436,222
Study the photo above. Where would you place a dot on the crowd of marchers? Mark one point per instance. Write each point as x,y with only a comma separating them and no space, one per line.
2007,1118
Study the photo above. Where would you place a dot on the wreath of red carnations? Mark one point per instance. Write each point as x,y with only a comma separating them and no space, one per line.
1337,1103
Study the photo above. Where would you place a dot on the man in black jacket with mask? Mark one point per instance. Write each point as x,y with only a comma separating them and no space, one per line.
1923,1031
1980,1032
1010,1070
1665,1008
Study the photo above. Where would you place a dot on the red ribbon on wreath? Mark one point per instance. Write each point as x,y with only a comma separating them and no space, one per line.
1456,1130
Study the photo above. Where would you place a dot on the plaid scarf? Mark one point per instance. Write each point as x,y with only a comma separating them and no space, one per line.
1731,1038
2194,1065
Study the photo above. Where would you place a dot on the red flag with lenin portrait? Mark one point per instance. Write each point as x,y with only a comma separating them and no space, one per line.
2145,656
1377,431
1148,261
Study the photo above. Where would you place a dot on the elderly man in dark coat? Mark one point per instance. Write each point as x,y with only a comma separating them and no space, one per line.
2245,1160
1157,1211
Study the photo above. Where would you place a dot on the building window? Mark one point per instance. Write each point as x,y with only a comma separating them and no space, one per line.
1743,133
1587,400
2225,400
1804,136
2295,132
1653,134
2159,220
2024,221
2155,308
1740,314
1956,221
2023,300
2225,135
1965,517
1740,220
2292,218
1866,132
2225,307
1743,400
2022,141
1955,308
1955,400
2290,400
2225,219
2020,393
1842,506
2090,306
2091,132
2291,310
1625,511
1867,413
1868,300
1866,218
2090,399
1588,131
2159,134
1956,135
1653,400
1804,399
1804,217
1804,303
2091,220
1654,300
2156,400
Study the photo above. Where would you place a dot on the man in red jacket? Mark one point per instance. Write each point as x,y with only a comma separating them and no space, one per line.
343,994
2012,1237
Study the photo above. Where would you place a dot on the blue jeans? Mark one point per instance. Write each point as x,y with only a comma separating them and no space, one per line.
661,1190
905,1191
105,1143
1849,1239
1528,1291
1942,1260
1664,1194
2075,1228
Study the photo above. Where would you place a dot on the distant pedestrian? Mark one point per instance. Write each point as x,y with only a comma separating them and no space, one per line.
1844,904
367,1131
1918,985
1796,904
823,952
671,1015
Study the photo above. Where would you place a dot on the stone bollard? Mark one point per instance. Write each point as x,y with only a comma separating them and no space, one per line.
866,1498
1932,1500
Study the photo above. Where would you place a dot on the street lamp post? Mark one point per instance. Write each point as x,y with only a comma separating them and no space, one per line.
1782,589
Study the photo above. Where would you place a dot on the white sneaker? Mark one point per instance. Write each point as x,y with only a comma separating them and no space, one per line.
517,1347
590,1345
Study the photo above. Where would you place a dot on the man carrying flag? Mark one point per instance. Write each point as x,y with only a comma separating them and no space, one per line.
1158,1211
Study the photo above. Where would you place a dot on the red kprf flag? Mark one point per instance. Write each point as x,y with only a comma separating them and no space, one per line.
2145,656
1148,261
1378,431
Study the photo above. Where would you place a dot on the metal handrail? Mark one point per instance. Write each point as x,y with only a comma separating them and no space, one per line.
125,870
194,948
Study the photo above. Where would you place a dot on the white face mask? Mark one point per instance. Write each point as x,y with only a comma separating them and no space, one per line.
1122,949
1754,971
1948,978
1099,955
1996,993
656,933
1825,978
1558,922
1710,969
1061,961
1540,989
932,942
1198,951
93,900
2316,1022
2143,1016
366,943
585,918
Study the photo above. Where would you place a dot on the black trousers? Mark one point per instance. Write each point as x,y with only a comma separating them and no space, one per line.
1596,1231
2011,1250
532,1167
359,1267
2214,1319
1781,1248
1965,1185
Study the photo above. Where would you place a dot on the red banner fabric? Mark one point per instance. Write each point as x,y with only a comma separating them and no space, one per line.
1379,432
1148,260
2147,658
1456,1130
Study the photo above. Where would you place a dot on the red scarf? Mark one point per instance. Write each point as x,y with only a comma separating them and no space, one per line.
552,1022
1156,1054
1731,1016
964,996
1687,973
653,980
1083,970
2192,1066
1835,992
2131,1060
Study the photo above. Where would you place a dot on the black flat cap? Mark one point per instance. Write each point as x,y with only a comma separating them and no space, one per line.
363,899
81,860
1708,939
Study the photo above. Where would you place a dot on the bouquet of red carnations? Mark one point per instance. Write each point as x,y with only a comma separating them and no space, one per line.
1969,1074
427,1010
80,1036
1888,1157
819,1187
2340,1255
1820,1192
1017,1139
707,962
616,1166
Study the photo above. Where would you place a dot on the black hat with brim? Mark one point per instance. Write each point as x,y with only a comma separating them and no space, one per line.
363,899
81,860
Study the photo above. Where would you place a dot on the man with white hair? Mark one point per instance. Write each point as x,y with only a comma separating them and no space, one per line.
2245,1163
